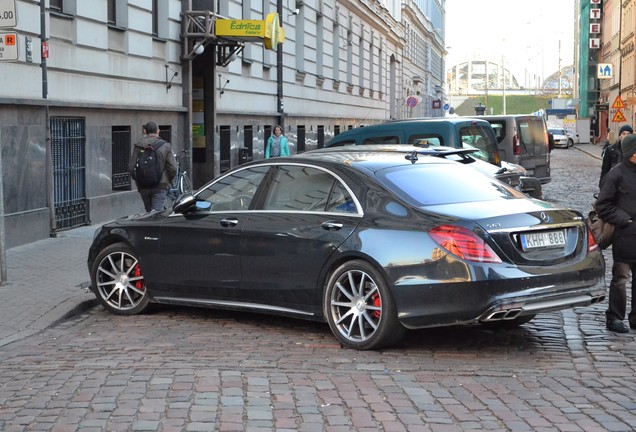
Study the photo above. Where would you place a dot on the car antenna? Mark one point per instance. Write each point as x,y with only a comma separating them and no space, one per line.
412,156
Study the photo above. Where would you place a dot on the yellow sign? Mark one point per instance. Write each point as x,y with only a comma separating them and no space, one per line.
240,28
619,117
618,103
274,34
268,30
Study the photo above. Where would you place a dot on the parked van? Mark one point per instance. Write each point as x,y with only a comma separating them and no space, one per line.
457,132
523,140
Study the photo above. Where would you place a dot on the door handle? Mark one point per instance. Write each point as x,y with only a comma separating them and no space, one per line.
229,222
331,225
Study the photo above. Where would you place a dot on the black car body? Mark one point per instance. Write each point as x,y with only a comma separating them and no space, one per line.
371,242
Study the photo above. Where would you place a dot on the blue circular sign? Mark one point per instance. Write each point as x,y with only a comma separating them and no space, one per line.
411,101
446,107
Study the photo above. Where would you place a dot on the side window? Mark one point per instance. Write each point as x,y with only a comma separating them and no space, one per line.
236,191
500,130
429,139
297,188
340,200
382,140
343,143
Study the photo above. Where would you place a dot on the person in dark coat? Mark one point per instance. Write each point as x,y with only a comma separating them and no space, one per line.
616,204
612,154
154,199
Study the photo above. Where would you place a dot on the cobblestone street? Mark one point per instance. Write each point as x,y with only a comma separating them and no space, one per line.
179,369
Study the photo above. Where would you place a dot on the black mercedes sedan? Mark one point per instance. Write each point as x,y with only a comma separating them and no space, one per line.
372,242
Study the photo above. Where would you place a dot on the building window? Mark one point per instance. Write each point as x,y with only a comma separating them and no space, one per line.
121,156
165,132
56,5
155,17
300,140
112,12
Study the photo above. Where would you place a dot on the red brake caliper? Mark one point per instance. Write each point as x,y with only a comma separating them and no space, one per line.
139,284
377,303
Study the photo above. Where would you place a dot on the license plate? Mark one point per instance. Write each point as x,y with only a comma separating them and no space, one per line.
549,239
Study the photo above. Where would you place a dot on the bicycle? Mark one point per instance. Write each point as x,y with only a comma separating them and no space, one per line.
181,183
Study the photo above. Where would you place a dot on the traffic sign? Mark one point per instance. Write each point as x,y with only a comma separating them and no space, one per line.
605,71
619,117
8,46
8,18
618,103
411,101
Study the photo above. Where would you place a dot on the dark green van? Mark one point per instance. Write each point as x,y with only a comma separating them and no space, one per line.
458,132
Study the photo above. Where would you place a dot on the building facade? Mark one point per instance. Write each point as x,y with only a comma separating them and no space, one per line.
88,75
607,38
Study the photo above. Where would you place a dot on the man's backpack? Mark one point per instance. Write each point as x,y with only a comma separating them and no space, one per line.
148,169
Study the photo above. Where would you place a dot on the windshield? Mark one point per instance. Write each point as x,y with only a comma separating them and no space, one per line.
557,131
481,138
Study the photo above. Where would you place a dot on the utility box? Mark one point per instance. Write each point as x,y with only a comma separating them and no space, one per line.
244,155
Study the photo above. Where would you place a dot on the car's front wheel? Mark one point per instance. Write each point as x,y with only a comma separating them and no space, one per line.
360,308
570,143
118,281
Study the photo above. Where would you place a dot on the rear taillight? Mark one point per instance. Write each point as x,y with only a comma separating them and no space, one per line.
516,148
463,243
591,243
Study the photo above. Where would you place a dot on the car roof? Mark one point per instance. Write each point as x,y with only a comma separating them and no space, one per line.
376,157
450,120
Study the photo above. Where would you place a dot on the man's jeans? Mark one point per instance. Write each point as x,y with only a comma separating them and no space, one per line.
618,292
154,199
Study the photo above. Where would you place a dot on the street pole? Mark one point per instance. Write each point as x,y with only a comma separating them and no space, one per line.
3,255
503,67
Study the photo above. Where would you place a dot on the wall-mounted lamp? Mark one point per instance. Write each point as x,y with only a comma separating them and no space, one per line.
169,81
222,89
199,48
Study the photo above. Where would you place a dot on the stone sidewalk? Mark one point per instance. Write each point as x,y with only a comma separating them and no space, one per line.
47,279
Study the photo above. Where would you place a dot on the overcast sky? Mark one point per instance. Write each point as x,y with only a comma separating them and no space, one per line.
526,33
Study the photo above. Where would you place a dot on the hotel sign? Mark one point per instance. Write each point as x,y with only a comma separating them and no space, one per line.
595,26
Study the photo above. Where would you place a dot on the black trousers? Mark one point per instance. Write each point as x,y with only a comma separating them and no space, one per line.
618,292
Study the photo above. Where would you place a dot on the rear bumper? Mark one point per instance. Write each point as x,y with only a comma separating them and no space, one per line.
504,293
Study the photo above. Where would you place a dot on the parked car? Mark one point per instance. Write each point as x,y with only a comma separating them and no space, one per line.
561,137
372,242
457,132
523,139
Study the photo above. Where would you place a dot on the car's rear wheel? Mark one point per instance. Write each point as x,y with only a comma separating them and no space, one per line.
360,308
118,281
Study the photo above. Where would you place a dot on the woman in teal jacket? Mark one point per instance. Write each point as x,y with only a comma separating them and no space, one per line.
277,144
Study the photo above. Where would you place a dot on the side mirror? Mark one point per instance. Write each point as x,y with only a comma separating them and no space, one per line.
183,203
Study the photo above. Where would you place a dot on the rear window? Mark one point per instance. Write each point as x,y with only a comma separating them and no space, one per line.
434,140
482,138
434,184
382,140
500,130
532,132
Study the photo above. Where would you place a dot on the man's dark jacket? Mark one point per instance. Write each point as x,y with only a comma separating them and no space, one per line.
612,156
616,204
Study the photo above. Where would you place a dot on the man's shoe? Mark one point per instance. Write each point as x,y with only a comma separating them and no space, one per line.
617,326
632,325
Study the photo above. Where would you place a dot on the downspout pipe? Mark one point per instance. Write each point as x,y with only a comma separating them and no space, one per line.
279,72
43,42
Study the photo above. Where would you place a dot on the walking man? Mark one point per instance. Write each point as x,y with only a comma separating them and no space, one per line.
616,204
612,154
153,193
